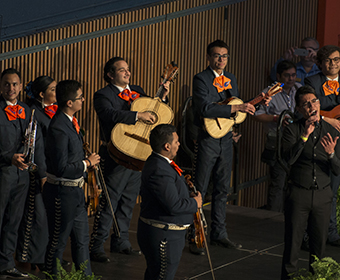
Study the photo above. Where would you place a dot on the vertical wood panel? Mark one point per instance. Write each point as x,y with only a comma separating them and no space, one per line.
257,31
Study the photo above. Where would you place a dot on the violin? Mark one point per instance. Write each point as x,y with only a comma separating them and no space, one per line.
93,182
97,184
200,227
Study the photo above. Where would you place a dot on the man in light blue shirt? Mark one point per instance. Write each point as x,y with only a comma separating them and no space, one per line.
306,67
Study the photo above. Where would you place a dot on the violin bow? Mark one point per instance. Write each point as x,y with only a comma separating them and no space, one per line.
102,182
190,184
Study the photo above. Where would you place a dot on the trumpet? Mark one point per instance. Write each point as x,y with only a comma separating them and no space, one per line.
29,147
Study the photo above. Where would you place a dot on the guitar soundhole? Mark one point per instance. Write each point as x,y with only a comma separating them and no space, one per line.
155,116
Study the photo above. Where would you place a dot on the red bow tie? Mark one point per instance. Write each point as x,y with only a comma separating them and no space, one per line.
15,111
222,83
75,124
51,110
128,95
331,87
176,167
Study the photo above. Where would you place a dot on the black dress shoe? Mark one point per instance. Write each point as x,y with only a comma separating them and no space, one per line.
226,243
41,266
196,251
99,257
13,273
130,251
65,263
335,243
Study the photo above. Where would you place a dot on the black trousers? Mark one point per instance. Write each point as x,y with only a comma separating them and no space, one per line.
215,156
33,230
276,187
67,217
305,209
162,250
13,192
123,186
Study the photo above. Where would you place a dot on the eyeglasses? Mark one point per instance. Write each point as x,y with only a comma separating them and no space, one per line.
287,75
309,103
329,60
218,56
79,98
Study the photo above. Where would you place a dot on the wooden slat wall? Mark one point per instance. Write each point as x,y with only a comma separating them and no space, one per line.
258,32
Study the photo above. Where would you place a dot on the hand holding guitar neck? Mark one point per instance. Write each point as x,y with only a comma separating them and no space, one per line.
165,90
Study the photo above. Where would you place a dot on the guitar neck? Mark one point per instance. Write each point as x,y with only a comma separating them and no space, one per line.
256,100
160,90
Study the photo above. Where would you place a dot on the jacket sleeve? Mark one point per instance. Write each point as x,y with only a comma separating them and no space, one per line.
110,111
203,104
292,144
326,102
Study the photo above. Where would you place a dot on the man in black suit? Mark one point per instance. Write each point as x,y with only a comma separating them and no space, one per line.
112,104
14,180
310,149
63,194
166,209
326,85
215,155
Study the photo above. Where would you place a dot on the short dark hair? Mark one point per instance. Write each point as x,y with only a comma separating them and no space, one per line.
65,91
325,52
303,91
10,71
41,84
110,68
161,135
284,65
307,39
217,43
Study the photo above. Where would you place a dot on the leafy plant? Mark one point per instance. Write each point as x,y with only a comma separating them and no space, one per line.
74,274
324,269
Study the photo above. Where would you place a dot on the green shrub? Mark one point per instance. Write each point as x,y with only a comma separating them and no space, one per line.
324,269
74,274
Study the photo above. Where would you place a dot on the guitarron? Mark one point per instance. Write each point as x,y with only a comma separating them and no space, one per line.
218,127
129,145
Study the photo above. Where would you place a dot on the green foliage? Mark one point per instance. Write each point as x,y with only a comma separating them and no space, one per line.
74,274
324,269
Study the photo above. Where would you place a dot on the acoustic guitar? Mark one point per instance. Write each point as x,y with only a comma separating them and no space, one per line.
129,145
334,113
218,127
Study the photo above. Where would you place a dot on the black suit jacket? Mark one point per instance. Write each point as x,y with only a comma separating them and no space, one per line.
42,118
64,148
309,159
165,195
12,138
326,102
111,109
206,96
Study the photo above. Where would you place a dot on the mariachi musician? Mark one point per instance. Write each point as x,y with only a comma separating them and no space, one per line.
14,180
33,232
112,104
63,194
166,209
